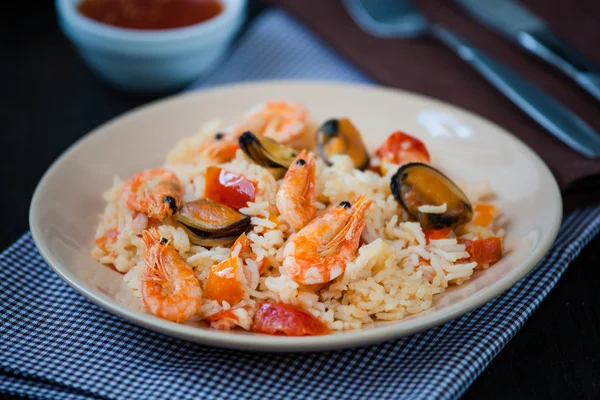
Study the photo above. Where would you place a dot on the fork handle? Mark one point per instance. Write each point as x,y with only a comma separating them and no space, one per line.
554,50
540,106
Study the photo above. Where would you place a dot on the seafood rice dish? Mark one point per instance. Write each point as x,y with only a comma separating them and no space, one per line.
279,224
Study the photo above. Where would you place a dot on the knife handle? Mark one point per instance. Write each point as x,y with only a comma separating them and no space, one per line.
555,51
549,113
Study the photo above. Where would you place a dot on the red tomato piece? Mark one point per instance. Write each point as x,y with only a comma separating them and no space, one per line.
401,148
227,188
436,234
286,319
484,251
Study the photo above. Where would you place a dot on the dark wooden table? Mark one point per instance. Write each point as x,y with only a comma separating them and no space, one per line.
49,99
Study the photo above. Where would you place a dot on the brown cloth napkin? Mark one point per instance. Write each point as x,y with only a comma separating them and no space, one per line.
425,66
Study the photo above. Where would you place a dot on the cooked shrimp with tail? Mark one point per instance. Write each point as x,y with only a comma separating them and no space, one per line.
284,122
155,192
320,251
170,290
287,123
296,197
221,147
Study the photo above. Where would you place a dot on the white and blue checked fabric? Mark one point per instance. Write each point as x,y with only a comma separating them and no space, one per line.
278,47
54,344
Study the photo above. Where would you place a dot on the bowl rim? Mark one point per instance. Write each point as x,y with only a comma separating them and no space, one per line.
67,10
269,343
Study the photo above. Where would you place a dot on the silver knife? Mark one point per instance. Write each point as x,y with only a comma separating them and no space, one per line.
533,34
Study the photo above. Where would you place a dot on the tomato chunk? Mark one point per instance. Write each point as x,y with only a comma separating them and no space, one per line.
436,234
288,320
401,148
246,252
484,214
484,251
227,188
223,282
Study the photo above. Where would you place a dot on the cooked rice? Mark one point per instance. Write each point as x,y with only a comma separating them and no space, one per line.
396,273
431,209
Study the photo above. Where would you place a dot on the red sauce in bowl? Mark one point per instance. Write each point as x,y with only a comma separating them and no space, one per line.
150,14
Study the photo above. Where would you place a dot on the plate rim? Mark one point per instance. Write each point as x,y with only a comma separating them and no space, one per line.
347,339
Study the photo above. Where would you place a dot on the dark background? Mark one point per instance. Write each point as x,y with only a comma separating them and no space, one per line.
49,99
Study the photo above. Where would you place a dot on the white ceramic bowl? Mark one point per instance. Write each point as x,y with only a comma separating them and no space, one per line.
67,202
153,60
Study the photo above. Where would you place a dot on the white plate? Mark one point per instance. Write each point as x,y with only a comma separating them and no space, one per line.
65,208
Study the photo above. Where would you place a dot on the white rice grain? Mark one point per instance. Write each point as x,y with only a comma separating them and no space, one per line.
431,209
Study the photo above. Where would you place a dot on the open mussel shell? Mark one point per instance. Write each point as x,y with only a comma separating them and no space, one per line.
416,184
340,136
197,237
210,224
266,152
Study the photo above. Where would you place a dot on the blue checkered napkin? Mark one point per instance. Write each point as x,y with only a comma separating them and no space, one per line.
54,344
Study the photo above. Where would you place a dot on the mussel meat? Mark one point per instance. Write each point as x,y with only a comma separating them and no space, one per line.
211,224
416,185
340,136
266,152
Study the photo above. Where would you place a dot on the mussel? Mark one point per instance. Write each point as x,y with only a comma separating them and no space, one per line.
211,224
340,136
415,185
266,152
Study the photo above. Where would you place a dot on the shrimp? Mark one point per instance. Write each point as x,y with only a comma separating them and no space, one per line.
228,319
155,192
222,147
320,251
284,122
287,123
215,148
296,197
170,290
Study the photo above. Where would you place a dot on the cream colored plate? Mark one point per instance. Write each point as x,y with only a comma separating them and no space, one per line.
65,207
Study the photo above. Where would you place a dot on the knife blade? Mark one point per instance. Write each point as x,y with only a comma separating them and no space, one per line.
534,35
